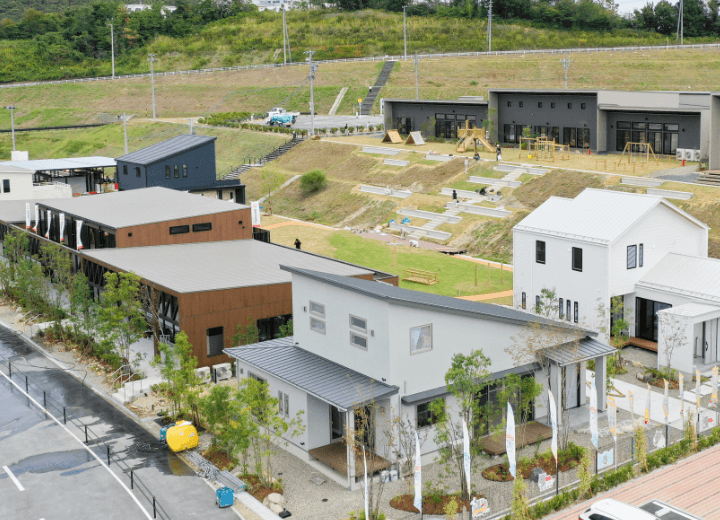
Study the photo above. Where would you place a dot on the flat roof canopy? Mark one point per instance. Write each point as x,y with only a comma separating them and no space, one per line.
578,351
326,380
73,163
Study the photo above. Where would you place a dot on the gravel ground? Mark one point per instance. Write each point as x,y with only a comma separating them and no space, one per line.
681,173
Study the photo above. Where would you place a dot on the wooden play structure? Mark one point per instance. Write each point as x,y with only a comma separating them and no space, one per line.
544,149
415,138
638,153
420,276
472,136
392,136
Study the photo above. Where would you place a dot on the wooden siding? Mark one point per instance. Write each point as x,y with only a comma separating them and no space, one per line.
225,226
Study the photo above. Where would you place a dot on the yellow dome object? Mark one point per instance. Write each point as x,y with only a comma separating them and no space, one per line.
182,436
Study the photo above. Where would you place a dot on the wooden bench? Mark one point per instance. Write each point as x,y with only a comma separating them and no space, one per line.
420,276
642,343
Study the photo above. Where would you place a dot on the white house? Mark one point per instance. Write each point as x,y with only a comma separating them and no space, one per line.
357,341
16,183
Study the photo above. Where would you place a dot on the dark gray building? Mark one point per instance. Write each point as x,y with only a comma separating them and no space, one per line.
435,118
185,162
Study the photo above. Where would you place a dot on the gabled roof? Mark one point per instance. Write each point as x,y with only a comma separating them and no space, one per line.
576,351
690,276
331,382
399,296
142,206
596,216
169,148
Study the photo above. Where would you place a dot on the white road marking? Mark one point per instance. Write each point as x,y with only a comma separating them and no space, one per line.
12,477
147,515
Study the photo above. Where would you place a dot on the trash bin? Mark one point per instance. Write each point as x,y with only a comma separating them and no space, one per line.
224,497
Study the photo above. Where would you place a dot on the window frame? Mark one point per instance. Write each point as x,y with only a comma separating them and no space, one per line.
568,308
572,260
425,349
168,171
552,104
184,170
176,171
179,230
315,320
431,418
509,104
6,186
125,169
317,313
569,106
523,300
281,403
201,227
539,104
137,172
207,340
582,106
641,254
538,252
576,312
355,327
537,304
561,310
630,248
520,104
361,337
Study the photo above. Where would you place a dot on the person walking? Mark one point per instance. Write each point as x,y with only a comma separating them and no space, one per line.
498,152
297,243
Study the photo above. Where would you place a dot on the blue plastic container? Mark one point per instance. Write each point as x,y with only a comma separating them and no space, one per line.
163,432
224,497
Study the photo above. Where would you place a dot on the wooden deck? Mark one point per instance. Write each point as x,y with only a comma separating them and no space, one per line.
643,343
495,444
335,456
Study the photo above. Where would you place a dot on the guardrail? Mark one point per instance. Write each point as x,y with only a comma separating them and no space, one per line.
372,58
45,128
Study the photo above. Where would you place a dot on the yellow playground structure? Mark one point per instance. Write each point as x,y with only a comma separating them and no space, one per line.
544,149
471,136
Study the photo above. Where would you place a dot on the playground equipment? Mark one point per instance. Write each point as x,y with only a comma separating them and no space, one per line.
471,136
638,153
544,149
392,136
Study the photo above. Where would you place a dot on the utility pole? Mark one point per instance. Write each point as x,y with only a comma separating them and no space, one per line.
151,59
112,49
681,22
417,93
566,65
284,33
490,25
124,119
11,108
313,68
405,33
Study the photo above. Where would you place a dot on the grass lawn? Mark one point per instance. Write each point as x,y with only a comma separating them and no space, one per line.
454,273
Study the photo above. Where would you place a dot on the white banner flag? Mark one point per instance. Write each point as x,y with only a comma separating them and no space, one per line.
466,456
553,423
27,215
612,417
37,218
49,223
697,389
632,407
418,475
255,213
367,491
78,229
714,396
510,440
681,384
593,414
647,406
62,227
666,403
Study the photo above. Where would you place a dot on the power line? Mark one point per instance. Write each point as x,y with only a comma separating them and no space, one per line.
313,68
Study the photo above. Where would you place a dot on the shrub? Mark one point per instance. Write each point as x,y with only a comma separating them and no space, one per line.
371,128
334,130
360,129
313,181
351,129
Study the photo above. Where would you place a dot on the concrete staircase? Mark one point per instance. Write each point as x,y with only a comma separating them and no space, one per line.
134,389
236,172
369,100
709,177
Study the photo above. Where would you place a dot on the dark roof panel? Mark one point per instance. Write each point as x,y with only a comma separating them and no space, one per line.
169,148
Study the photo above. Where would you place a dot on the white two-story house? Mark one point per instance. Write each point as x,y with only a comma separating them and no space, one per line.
604,244
359,341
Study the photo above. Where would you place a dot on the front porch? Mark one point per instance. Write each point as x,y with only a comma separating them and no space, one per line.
336,456
532,432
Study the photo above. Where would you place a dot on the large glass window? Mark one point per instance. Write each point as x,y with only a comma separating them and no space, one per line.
663,137
577,259
425,417
570,137
215,342
509,133
167,171
646,319
632,257
420,338
176,169
270,328
540,251
583,138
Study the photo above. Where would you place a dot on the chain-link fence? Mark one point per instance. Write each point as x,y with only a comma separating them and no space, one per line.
97,442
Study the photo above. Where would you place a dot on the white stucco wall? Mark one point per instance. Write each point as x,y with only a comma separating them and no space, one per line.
21,186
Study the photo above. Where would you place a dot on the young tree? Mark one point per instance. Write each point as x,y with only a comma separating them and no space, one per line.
16,245
672,331
121,317
405,445
286,330
150,298
178,369
521,393
584,475
83,312
58,266
520,504
246,335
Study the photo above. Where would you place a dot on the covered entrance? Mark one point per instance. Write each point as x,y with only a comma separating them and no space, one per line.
646,318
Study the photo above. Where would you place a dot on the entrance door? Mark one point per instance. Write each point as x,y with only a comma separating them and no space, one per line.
646,319
337,424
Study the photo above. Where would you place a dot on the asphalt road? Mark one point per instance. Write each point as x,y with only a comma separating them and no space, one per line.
337,121
691,485
60,476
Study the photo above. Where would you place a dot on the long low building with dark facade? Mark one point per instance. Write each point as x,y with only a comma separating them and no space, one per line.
598,120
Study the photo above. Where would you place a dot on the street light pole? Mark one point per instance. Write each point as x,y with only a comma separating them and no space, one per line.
405,33
284,33
490,26
11,108
151,59
112,49
124,120
313,67
417,92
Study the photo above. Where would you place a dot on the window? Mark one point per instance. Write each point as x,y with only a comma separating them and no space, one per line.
358,323
560,308
509,131
124,169
582,106
552,105
568,307
287,406
632,257
520,104
640,256
184,170
271,328
318,309
256,378
509,103
358,341
576,259
177,171
420,338
569,105
137,171
283,404
425,417
6,185
539,104
576,311
205,226
167,171
317,325
538,306
524,302
540,251
215,342
179,230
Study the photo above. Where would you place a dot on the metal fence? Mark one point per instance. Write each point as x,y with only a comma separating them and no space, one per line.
106,454
373,58
46,128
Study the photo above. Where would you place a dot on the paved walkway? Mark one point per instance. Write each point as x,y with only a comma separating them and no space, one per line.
681,173
491,296
691,484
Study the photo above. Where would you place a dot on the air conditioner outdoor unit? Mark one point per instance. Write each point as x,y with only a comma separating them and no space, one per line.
222,372
203,374
696,155
688,154
680,153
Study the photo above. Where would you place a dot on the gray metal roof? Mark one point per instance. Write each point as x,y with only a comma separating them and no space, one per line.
142,206
13,211
438,101
407,297
11,168
576,351
689,276
72,163
214,266
335,384
165,149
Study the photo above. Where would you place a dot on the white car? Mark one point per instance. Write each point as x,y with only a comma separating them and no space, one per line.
609,509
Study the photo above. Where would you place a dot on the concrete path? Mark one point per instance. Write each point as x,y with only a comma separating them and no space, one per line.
490,296
681,173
